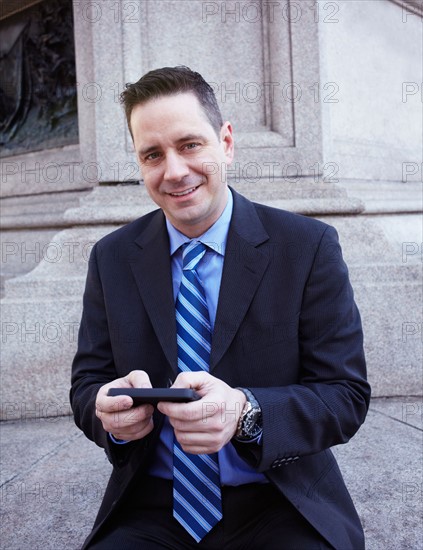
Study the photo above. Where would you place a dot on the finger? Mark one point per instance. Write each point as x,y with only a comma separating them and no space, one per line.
138,379
211,426
119,415
130,429
107,403
199,410
192,380
133,434
197,443
133,416
186,412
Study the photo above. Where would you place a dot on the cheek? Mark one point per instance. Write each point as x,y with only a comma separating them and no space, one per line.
212,170
207,165
151,180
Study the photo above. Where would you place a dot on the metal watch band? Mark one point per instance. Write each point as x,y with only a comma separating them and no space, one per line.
250,397
247,427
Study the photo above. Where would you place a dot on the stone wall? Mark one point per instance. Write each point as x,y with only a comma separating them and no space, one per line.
372,96
355,163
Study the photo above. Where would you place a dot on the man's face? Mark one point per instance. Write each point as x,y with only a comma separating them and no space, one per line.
182,160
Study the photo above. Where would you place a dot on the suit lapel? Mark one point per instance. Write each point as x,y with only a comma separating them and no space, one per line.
243,269
152,272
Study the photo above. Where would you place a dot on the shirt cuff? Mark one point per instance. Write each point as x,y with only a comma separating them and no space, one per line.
117,441
257,440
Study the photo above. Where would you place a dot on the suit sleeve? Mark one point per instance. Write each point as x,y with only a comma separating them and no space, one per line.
93,366
330,400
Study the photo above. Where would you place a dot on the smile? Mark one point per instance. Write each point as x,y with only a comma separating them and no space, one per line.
183,193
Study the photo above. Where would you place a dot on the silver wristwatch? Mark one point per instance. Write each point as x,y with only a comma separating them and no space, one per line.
250,424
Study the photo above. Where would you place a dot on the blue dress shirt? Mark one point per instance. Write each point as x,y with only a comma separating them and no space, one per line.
233,470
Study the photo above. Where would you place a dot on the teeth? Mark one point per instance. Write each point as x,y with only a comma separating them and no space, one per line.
183,192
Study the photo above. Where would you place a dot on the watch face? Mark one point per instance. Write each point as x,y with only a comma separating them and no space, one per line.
252,423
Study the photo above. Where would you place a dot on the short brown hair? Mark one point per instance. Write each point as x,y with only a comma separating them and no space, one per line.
170,81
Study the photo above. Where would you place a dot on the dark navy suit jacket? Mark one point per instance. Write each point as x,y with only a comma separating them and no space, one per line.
286,327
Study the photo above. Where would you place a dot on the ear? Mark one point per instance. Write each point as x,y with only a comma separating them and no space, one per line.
227,139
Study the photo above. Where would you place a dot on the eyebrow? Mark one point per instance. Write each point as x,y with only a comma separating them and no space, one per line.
187,137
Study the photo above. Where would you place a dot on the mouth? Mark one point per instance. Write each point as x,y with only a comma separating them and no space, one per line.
184,193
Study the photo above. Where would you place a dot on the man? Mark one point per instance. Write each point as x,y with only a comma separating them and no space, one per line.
249,306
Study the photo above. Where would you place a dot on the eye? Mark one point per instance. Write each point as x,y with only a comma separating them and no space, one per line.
191,145
152,156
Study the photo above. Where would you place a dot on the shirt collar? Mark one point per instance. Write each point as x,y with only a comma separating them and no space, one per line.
215,237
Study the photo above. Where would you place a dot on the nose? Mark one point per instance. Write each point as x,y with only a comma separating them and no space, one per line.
176,168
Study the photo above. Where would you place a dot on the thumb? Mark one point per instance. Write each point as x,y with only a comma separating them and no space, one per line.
138,379
197,380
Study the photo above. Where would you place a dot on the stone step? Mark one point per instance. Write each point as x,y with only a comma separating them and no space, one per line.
48,465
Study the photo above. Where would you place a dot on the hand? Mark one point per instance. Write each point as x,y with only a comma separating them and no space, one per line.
113,412
204,426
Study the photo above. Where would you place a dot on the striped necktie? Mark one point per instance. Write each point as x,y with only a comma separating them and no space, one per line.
197,501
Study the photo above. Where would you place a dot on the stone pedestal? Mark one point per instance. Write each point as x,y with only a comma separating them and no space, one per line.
325,102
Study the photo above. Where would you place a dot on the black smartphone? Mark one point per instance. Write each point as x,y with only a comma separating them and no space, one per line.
153,396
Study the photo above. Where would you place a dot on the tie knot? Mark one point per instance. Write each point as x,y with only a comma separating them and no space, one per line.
192,254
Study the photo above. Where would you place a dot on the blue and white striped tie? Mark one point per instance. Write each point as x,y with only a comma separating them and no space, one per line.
197,503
